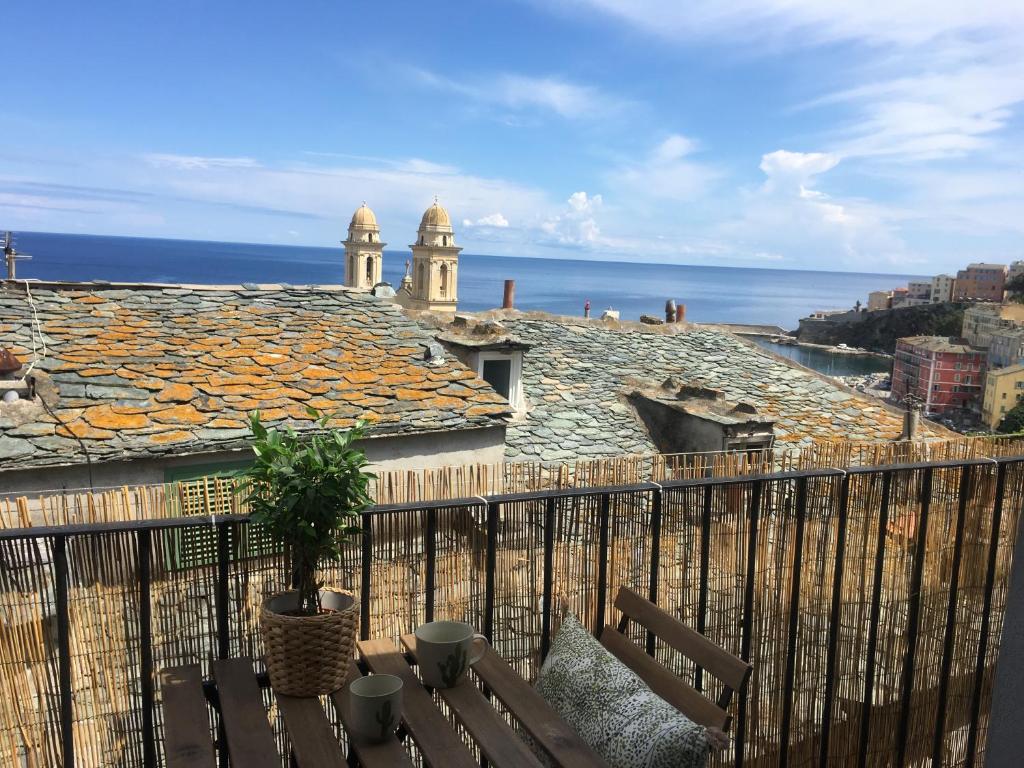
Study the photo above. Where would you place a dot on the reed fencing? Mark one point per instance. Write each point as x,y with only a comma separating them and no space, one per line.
869,600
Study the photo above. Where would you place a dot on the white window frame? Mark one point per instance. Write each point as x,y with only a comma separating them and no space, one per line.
515,385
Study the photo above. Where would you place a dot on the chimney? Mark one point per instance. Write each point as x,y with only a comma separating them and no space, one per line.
911,421
680,313
510,294
670,310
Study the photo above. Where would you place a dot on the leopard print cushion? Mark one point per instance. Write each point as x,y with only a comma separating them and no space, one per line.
612,709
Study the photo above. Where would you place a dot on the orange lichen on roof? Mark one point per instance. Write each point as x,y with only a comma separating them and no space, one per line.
135,369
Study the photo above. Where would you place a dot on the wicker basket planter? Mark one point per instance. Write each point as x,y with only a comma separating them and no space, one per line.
309,655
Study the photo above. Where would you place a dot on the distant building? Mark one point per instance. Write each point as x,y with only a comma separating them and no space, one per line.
1006,348
983,321
980,282
1016,269
900,296
1003,390
942,288
919,292
879,300
943,374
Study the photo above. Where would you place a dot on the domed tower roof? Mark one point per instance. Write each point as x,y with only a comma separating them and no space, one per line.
363,218
436,218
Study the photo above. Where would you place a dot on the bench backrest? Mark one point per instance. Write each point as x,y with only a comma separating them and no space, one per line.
731,671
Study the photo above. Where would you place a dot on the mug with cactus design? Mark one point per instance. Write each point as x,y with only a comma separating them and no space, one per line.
375,707
444,651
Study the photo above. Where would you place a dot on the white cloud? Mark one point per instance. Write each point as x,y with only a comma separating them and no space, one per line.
575,224
522,92
492,220
796,165
197,162
804,22
666,173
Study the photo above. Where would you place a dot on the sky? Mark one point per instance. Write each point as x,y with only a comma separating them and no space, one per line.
863,135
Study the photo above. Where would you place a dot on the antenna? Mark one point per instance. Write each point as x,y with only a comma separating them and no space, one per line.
11,256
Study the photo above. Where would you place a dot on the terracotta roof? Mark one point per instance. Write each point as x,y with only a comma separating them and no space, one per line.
575,375
149,370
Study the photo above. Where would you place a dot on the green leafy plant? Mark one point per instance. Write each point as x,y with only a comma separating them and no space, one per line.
308,493
1013,421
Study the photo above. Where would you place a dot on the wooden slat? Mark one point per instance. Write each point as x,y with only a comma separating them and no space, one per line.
250,739
314,744
713,658
499,743
387,754
188,742
440,746
560,741
676,692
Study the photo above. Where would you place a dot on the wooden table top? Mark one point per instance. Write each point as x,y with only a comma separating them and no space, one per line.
315,742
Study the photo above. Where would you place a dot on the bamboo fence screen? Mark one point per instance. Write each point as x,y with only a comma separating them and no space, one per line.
877,595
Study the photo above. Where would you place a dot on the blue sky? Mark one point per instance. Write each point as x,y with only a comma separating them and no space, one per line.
848,134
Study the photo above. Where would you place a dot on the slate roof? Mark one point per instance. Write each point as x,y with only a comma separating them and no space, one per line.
575,376
139,371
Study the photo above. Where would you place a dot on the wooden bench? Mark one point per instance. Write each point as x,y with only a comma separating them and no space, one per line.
731,671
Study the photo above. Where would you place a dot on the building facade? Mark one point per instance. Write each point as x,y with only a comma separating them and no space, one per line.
980,282
983,321
364,251
942,288
1006,348
919,291
940,373
1004,388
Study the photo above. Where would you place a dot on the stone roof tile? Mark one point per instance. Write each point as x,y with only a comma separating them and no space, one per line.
146,370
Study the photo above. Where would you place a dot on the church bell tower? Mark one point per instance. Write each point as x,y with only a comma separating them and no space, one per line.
435,263
364,251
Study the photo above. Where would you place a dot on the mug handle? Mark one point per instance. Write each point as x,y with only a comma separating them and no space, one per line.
483,650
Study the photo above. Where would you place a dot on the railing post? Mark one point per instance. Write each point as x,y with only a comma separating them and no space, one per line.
145,552
602,562
914,617
753,513
876,602
223,558
835,616
794,616
954,588
990,580
431,547
364,585
705,570
549,555
491,564
60,577
652,588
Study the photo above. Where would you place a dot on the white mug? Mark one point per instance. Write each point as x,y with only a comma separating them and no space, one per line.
375,706
443,652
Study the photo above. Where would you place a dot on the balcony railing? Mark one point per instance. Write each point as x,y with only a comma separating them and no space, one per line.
870,602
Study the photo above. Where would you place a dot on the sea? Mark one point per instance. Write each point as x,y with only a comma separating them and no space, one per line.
561,286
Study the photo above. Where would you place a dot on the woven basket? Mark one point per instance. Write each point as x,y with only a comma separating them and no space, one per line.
309,655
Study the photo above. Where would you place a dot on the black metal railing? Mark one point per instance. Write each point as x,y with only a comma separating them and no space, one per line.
855,594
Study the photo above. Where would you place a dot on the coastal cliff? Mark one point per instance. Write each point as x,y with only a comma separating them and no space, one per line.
878,331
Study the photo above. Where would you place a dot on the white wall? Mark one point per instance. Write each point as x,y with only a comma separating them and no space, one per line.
484,445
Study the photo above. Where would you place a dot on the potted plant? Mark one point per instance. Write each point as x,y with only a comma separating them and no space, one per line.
308,493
